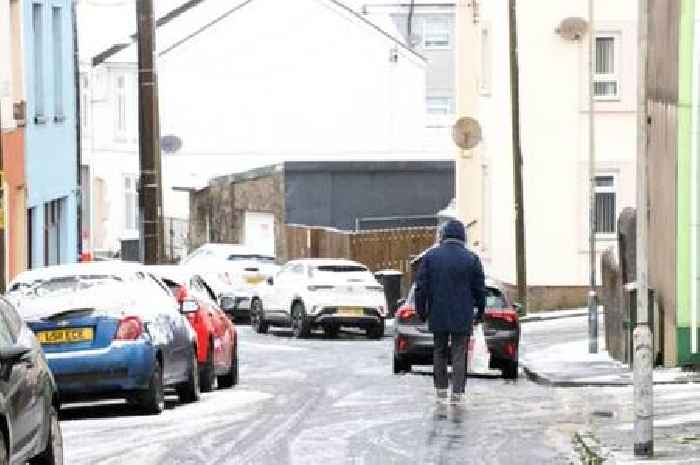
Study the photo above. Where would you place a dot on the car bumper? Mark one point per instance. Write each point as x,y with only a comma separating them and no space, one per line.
416,346
328,316
120,367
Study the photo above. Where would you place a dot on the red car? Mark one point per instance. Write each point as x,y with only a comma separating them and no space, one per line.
217,347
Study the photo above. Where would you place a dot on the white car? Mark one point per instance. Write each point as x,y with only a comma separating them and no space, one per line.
326,293
244,267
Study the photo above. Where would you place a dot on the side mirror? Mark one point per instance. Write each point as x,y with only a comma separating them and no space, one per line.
11,356
189,306
270,281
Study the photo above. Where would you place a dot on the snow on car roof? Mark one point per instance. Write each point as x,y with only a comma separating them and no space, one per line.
115,268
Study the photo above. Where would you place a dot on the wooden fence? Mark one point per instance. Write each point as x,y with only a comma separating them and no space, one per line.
378,250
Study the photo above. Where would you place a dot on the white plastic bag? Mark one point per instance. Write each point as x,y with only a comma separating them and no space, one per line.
479,355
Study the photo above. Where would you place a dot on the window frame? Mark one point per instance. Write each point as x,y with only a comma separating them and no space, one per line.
449,108
57,47
608,77
133,179
38,64
120,107
426,32
609,190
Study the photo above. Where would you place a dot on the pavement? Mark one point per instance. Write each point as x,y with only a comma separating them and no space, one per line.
563,362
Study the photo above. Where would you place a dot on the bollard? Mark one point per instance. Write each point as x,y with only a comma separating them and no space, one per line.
643,397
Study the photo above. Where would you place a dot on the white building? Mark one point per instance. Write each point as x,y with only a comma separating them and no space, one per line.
248,84
554,134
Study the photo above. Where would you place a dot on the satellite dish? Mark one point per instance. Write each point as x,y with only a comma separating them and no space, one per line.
466,133
170,143
572,28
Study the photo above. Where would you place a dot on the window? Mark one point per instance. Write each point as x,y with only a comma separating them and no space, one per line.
57,29
605,208
130,202
606,84
439,105
436,32
121,106
38,36
485,81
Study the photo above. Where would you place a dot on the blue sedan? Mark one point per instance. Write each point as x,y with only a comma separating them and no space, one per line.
115,340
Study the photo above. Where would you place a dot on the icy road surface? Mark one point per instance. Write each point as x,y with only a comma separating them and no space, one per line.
320,401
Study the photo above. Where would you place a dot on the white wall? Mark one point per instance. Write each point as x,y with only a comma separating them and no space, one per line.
554,126
275,81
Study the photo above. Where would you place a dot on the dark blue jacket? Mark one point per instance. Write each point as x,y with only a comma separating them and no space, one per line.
450,283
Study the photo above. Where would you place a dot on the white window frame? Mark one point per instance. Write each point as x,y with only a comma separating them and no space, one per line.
38,62
609,189
57,45
486,57
130,196
615,75
427,32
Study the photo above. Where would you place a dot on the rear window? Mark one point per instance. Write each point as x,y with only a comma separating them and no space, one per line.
341,268
495,298
70,284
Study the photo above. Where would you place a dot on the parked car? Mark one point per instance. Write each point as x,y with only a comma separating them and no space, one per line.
413,343
114,339
217,348
324,293
245,269
29,399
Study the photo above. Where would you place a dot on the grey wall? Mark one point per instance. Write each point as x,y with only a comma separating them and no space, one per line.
336,193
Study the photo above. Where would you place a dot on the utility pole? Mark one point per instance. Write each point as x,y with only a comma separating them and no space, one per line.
642,340
150,198
520,261
592,294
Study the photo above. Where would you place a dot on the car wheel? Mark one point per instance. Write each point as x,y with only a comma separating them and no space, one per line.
257,317
230,379
152,401
510,369
207,373
401,366
53,454
331,332
300,324
376,331
189,391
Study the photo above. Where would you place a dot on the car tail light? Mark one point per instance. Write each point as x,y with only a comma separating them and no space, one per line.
320,288
509,349
508,316
129,329
405,313
402,344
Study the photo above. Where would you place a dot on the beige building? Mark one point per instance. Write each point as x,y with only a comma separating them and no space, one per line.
554,125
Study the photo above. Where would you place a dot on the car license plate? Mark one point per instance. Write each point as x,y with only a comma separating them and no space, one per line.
351,311
66,336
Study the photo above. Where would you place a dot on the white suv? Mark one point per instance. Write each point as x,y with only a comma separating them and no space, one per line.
327,293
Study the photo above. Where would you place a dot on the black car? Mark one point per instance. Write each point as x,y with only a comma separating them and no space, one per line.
29,401
413,343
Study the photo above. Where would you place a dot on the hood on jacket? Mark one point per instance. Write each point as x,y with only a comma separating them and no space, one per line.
453,229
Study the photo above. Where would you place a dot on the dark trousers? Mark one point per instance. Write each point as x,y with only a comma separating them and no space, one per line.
441,356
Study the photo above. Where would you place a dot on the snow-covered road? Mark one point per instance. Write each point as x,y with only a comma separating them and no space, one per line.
321,401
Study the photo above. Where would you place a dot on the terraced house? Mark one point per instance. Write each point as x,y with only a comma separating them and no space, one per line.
50,132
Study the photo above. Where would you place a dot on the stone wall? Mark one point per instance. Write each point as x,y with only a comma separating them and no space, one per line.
542,298
217,212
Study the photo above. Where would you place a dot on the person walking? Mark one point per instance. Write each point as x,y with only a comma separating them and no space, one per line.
449,284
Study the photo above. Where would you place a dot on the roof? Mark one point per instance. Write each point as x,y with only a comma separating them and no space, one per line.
195,17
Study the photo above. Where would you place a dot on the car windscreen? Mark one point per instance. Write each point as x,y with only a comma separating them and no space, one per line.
69,284
495,298
251,257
